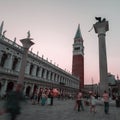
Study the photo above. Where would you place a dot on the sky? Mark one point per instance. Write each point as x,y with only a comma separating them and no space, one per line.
53,25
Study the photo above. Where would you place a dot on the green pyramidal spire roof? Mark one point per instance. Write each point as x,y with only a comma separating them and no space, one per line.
78,33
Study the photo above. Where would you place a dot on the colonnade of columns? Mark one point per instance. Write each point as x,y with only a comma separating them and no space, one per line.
35,70
10,85
12,62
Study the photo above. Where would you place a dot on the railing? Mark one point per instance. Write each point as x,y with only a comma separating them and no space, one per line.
8,71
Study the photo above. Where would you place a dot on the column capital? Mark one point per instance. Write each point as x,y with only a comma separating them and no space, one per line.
101,27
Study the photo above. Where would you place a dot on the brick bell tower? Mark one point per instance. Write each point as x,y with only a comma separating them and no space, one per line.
78,58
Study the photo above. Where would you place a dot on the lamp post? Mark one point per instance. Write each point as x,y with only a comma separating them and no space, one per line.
92,85
27,43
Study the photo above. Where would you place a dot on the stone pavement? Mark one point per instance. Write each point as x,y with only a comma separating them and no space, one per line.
63,110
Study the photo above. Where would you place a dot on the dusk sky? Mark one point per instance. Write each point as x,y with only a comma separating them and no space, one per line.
53,24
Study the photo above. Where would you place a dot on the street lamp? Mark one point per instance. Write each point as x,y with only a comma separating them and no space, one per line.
92,84
27,43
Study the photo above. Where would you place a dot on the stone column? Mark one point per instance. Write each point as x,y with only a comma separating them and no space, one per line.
59,78
101,27
1,56
31,90
49,75
18,65
25,86
40,72
27,43
45,73
34,70
27,69
4,88
53,77
9,62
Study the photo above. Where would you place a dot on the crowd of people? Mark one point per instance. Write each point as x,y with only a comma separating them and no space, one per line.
92,102
46,96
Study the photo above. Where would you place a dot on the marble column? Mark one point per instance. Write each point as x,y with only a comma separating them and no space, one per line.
18,65
1,56
31,90
49,74
34,70
45,74
40,72
27,69
27,43
4,88
53,77
25,87
9,62
101,27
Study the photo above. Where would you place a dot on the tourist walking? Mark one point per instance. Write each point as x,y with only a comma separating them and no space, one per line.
51,97
12,103
79,101
39,95
43,98
92,103
34,100
76,104
106,102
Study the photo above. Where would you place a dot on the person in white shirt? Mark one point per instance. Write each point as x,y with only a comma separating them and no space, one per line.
106,102
92,103
79,101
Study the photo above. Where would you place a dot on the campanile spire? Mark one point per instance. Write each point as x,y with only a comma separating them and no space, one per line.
78,57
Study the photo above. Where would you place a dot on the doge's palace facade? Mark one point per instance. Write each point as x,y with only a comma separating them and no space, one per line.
39,73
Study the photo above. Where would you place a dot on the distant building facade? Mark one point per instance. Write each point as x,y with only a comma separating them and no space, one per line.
92,88
113,83
39,73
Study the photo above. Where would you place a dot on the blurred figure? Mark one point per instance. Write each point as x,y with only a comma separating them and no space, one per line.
92,103
12,104
106,102
51,97
34,100
76,104
43,98
79,101
39,95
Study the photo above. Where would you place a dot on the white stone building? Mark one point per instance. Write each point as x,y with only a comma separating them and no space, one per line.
39,73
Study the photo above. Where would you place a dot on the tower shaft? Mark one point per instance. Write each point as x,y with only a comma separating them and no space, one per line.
78,58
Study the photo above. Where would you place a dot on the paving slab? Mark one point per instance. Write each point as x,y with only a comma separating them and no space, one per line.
63,110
